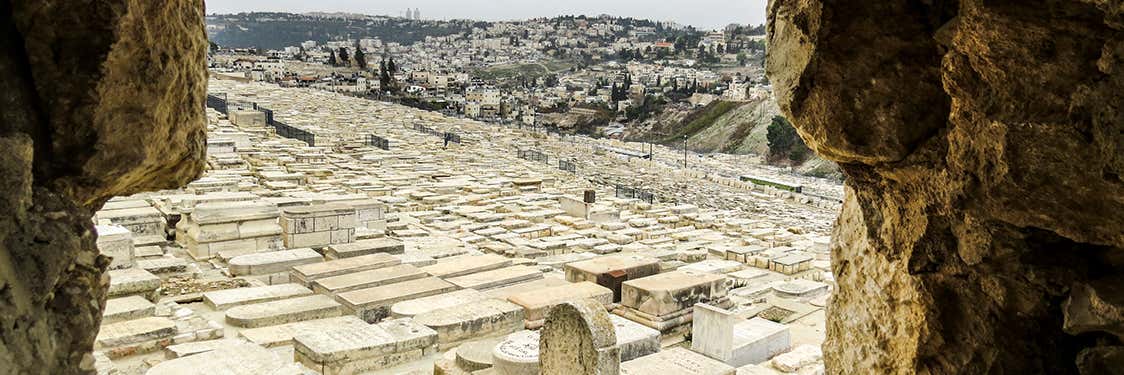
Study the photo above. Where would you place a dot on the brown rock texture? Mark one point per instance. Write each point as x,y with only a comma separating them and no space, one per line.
98,98
983,144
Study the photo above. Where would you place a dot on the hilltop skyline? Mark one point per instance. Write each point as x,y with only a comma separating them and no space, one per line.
705,14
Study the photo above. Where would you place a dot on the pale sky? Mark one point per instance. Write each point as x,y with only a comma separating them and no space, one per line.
707,14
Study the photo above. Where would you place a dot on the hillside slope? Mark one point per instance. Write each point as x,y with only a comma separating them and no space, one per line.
724,127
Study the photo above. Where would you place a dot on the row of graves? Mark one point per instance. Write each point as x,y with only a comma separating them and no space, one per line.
289,258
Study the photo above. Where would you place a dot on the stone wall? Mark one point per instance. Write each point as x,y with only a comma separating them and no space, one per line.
983,144
98,99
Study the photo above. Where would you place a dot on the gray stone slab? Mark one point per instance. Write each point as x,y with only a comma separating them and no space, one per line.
126,308
497,278
466,264
365,247
283,311
676,361
305,274
272,262
225,299
283,334
349,351
373,304
240,359
367,279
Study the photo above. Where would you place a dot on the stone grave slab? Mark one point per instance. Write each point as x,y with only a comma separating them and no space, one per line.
611,270
634,339
497,278
676,361
365,247
473,320
466,264
335,285
133,281
282,334
305,274
411,308
126,308
518,354
373,347
225,299
135,331
283,311
373,304
272,262
537,303
238,359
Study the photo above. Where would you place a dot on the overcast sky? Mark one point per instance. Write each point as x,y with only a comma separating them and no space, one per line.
699,13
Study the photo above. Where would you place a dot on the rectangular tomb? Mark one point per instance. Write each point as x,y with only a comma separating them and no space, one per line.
365,247
367,279
497,278
472,321
305,274
360,349
373,304
611,271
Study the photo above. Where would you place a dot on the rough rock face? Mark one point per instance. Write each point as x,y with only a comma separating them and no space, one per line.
98,98
983,141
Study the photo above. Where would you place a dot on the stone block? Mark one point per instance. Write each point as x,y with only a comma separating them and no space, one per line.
362,349
282,334
365,247
466,264
116,242
496,278
225,299
126,308
305,274
473,320
537,303
272,262
367,279
411,308
373,304
675,361
283,311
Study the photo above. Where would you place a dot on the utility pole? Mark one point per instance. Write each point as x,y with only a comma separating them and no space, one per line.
684,152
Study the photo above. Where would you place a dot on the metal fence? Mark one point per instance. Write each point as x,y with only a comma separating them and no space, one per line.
533,155
567,165
377,141
449,137
631,192
291,132
218,102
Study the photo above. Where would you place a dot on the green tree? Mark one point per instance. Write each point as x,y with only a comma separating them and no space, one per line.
785,142
344,60
332,59
360,58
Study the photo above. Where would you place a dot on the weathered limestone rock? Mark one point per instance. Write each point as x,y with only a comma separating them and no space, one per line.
579,338
99,99
983,151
